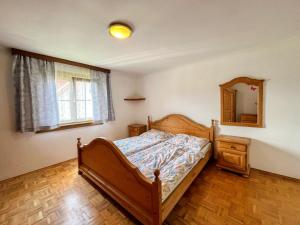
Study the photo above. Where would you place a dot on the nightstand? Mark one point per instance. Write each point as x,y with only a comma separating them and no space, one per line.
233,154
136,129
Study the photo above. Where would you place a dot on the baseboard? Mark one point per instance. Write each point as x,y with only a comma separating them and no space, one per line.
267,172
276,174
34,171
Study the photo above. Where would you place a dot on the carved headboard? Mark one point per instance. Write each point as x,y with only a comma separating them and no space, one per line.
176,123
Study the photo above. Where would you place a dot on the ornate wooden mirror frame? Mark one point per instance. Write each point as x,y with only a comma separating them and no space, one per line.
260,103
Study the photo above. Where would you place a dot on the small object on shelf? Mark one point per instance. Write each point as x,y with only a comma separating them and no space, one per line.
136,129
233,154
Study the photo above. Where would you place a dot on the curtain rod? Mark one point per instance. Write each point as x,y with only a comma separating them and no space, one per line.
58,60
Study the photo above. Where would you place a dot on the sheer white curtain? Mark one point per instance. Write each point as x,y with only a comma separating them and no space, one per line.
102,96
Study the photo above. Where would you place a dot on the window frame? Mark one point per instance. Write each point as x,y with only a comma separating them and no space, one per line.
73,124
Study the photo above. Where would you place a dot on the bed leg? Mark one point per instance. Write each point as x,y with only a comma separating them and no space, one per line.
79,151
79,155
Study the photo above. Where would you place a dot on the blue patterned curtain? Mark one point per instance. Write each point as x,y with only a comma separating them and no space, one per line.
102,98
36,102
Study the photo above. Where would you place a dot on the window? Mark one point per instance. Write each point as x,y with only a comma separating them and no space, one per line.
62,94
73,88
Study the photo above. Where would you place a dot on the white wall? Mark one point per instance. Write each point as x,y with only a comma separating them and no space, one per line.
193,90
21,153
189,89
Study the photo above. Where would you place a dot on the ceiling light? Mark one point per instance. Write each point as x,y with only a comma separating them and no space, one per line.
120,30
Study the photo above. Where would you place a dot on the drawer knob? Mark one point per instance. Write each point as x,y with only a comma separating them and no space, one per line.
233,147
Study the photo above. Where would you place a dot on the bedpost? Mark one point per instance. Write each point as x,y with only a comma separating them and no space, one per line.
212,139
157,214
79,154
149,123
213,124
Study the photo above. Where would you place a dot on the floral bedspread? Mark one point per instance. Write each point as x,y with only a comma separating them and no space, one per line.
174,157
132,145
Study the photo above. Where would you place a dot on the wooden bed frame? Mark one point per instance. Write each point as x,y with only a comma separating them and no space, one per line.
105,165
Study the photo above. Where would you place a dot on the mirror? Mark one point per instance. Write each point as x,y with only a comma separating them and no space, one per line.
242,102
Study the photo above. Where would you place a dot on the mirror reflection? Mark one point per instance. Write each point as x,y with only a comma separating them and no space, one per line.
242,102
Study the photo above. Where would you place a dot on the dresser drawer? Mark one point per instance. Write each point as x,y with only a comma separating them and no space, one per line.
232,158
231,146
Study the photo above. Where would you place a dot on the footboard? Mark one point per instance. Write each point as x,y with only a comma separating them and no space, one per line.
103,163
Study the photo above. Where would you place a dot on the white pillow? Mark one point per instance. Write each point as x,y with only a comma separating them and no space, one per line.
156,134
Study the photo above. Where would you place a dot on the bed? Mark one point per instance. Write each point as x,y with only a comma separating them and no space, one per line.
123,177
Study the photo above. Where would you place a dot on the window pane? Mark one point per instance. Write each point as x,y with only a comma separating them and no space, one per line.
89,109
80,89
80,110
74,98
64,108
64,89
83,99
88,91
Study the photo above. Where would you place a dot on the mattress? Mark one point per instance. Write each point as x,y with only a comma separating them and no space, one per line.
174,157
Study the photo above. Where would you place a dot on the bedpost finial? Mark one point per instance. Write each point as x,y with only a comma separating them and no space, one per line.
214,122
156,174
78,142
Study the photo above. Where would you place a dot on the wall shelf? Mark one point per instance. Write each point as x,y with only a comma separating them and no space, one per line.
134,99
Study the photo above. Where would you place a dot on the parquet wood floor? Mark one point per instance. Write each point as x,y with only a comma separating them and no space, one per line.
57,195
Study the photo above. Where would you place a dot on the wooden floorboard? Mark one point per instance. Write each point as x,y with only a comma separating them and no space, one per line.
57,195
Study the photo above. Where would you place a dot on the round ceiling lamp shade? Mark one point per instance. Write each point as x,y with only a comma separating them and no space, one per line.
120,30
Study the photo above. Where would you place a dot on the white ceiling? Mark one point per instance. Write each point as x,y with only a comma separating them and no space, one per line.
167,32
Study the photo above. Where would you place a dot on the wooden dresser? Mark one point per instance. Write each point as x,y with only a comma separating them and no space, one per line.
233,153
136,129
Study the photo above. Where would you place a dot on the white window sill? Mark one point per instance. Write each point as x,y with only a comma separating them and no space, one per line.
71,126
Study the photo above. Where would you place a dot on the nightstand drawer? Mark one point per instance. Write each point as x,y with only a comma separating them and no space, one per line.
231,146
133,133
232,158
134,129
